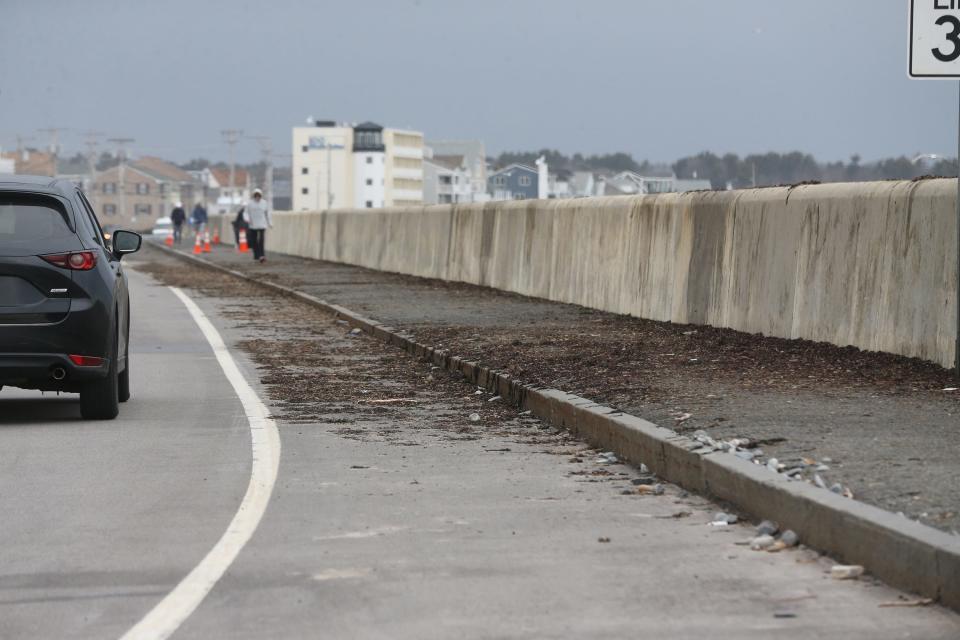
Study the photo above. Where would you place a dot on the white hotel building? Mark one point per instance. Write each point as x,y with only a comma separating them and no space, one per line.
340,166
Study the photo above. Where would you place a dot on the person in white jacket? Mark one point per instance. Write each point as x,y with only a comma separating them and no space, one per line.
257,216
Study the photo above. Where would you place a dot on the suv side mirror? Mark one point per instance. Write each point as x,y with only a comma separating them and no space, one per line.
125,242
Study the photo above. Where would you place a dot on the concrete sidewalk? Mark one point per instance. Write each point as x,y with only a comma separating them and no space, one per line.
878,426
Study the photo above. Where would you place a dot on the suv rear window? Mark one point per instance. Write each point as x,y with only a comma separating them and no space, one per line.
33,224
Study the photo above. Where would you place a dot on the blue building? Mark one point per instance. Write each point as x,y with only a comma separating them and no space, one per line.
514,182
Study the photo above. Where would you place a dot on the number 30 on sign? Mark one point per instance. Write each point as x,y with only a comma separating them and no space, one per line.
935,38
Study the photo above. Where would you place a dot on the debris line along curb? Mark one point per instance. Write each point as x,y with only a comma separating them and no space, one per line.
905,554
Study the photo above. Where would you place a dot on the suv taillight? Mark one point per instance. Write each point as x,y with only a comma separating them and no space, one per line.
78,261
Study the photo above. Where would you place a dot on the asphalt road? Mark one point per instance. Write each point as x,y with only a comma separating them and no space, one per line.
101,519
389,523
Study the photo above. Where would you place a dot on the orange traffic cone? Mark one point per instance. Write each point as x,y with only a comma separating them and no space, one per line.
243,241
168,240
197,247
206,242
216,236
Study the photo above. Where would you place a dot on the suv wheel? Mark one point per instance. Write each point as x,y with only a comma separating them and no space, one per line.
99,399
123,381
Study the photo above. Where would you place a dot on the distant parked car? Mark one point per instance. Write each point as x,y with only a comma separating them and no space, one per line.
163,228
64,305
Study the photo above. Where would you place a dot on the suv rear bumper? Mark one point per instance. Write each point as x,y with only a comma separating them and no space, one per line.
39,371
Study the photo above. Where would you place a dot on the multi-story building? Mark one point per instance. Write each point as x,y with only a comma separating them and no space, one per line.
218,197
31,162
338,166
135,194
473,158
514,182
446,180
282,189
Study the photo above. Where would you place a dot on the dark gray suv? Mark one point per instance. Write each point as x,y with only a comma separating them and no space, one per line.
64,305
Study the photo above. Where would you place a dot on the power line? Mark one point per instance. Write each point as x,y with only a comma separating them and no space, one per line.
91,141
20,140
54,143
122,170
266,150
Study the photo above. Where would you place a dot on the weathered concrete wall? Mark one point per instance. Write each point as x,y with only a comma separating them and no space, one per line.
871,264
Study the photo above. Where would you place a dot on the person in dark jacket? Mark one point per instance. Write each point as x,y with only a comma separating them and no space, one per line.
238,223
199,218
178,217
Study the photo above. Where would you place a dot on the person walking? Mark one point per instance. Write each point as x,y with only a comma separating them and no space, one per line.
257,215
238,224
178,216
199,217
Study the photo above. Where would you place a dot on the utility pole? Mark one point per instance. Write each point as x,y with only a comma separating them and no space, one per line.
329,178
328,143
122,170
20,140
54,143
91,142
266,151
20,151
231,136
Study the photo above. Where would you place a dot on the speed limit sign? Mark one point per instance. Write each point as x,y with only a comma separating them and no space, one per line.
935,38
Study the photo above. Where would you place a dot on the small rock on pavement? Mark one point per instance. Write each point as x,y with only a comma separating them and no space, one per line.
767,528
603,539
474,417
762,542
789,538
846,571
644,480
356,331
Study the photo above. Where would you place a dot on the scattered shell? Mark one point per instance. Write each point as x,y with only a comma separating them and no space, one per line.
846,571
762,542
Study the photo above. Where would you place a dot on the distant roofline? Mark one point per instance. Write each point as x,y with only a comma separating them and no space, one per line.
515,164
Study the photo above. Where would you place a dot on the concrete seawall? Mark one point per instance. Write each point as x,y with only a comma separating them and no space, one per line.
869,264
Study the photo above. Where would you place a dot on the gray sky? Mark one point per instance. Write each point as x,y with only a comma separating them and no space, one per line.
658,78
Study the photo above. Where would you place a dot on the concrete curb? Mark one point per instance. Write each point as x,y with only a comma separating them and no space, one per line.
903,553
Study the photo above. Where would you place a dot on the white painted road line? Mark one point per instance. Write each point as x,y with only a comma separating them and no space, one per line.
177,606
